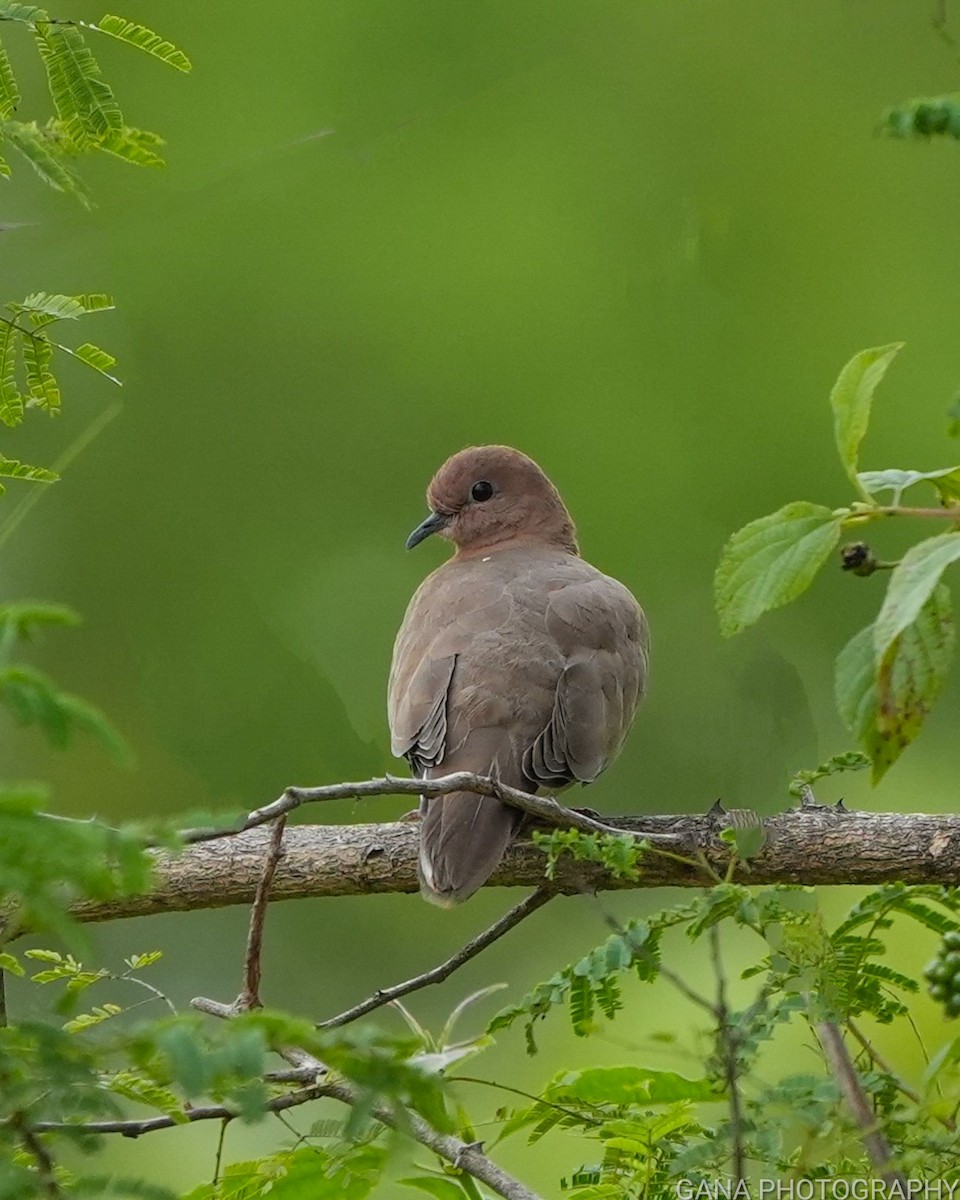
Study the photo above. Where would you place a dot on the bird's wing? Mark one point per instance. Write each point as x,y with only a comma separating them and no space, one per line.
601,632
444,620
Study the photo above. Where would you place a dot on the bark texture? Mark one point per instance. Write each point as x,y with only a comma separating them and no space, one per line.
810,845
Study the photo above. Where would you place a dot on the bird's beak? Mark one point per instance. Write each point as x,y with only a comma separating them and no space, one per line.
433,524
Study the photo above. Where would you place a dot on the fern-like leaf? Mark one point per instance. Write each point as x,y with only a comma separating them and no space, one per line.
9,92
143,39
43,387
10,468
41,150
11,402
35,699
45,307
24,14
135,146
581,1002
94,357
84,102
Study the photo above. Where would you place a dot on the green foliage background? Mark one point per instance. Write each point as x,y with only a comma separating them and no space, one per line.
637,240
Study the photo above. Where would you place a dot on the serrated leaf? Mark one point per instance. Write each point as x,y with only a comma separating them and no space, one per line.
885,706
911,584
143,39
851,400
771,561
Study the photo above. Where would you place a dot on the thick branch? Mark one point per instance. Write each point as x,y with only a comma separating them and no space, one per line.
809,846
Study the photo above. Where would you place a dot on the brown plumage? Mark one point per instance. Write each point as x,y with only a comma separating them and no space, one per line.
515,659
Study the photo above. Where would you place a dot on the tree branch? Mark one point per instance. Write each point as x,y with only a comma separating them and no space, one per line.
808,846
445,969
842,1068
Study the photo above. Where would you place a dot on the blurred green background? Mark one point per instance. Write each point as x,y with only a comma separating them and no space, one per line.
637,240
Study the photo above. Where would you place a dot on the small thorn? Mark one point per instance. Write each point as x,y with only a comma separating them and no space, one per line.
716,809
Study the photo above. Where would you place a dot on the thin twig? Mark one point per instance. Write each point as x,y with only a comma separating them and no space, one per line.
842,1068
437,974
211,1112
464,1156
727,1040
250,995
543,807
895,510
671,976
899,1082
46,1171
219,1158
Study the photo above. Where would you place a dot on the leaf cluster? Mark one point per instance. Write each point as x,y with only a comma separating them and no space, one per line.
890,674
86,114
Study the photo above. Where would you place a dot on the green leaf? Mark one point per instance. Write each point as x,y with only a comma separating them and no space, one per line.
35,699
43,388
630,1085
851,400
94,357
25,14
771,561
9,963
45,307
925,117
10,468
11,402
135,146
849,760
885,706
143,39
85,104
911,584
96,1016
22,620
9,92
43,152
896,481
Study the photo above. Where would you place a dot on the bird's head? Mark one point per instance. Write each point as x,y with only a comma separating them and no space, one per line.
486,497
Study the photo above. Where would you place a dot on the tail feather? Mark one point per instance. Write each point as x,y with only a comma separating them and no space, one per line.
463,837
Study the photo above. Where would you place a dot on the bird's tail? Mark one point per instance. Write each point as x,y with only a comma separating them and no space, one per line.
463,837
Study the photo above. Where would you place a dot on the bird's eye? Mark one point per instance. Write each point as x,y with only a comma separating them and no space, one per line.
481,491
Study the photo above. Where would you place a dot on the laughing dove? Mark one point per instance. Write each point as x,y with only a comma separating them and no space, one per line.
516,659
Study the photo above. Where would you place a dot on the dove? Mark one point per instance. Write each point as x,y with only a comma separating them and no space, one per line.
516,659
